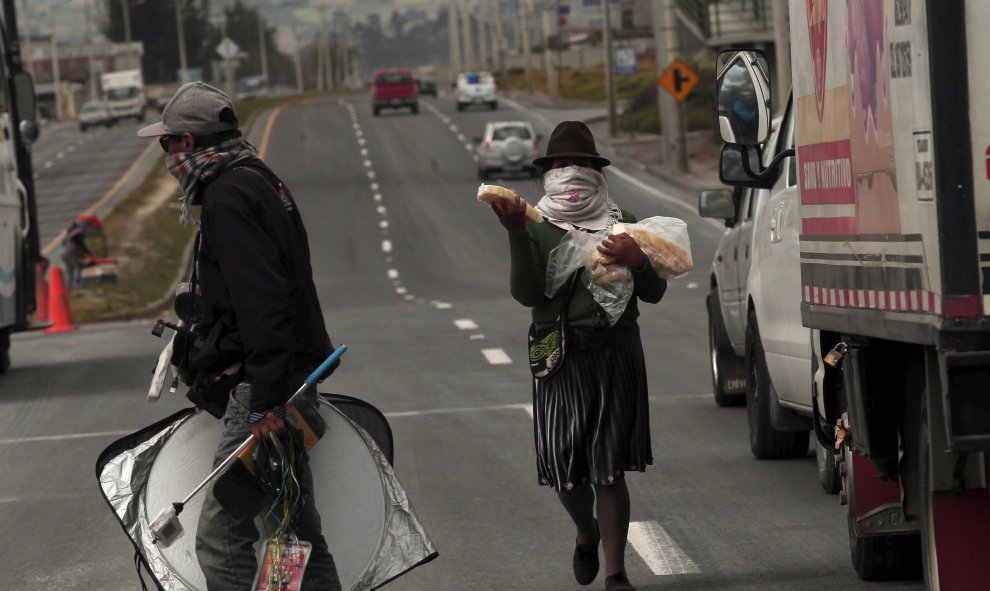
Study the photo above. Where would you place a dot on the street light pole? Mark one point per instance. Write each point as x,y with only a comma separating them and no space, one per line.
27,58
483,35
549,12
183,65
467,34
524,10
453,40
126,15
262,47
56,77
609,67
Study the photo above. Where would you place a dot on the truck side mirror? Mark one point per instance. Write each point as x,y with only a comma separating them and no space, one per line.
740,165
743,97
26,103
716,204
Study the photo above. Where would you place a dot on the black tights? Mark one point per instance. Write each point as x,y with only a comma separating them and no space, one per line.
613,518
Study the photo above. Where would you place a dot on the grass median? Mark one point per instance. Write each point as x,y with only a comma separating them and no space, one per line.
151,248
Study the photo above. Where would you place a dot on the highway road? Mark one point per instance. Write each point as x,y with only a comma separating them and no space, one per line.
413,276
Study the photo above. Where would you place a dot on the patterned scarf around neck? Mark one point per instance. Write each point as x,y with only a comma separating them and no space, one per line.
577,197
195,170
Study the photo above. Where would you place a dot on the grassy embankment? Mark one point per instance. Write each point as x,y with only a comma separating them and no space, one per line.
588,84
150,246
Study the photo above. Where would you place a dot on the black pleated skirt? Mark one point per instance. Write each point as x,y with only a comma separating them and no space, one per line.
591,419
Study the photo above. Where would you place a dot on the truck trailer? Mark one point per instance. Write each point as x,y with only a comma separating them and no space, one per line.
124,94
891,210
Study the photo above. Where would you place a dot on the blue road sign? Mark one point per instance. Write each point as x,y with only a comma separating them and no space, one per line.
625,61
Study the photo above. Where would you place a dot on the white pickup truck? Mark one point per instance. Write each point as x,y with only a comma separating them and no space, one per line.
760,353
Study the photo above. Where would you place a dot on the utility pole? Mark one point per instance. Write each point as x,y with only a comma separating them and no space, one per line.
782,52
549,12
483,35
183,65
125,6
466,34
453,40
609,67
524,10
56,78
27,57
89,52
296,57
498,46
263,47
665,45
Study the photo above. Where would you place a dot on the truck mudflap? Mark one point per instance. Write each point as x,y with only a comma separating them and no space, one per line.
958,540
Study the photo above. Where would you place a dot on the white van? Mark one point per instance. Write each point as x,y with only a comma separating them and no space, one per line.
476,88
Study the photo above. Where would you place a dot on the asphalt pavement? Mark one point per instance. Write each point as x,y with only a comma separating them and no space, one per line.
412,273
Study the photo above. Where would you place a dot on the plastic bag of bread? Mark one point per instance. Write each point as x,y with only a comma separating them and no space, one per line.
665,242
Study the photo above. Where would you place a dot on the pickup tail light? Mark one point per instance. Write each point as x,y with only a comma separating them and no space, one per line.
486,146
536,143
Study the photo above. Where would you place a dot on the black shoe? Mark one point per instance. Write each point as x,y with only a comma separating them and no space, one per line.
618,582
586,560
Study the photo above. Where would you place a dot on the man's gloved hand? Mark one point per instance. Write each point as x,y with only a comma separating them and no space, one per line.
271,421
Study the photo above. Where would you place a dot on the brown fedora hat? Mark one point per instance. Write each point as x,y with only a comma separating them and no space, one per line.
571,139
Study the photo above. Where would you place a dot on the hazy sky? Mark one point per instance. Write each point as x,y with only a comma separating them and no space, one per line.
70,15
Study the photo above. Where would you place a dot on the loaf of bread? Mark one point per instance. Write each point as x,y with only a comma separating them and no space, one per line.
490,193
667,258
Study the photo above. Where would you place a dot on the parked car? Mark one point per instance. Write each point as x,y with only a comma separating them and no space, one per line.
94,113
426,86
476,88
394,89
507,147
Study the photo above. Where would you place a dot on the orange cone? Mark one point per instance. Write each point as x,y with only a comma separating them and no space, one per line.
40,294
58,305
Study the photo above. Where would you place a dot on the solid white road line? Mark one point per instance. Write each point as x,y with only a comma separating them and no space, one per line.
466,324
496,356
463,409
65,437
660,553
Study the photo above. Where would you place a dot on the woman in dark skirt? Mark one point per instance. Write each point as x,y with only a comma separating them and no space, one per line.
591,417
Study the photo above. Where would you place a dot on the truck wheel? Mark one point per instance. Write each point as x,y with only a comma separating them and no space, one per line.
883,557
414,109
374,111
828,470
483,174
4,351
725,365
764,441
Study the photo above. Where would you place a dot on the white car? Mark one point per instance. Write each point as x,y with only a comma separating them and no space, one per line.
507,147
476,88
94,113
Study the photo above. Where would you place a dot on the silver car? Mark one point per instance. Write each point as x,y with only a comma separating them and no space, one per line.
508,147
94,113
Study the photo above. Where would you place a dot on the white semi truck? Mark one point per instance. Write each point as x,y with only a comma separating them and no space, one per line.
124,94
885,189
20,252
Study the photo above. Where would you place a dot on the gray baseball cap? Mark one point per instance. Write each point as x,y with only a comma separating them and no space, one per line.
195,108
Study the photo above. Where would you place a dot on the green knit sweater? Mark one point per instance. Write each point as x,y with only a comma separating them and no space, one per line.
527,280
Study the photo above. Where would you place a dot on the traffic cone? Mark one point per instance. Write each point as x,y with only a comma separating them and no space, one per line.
40,294
58,304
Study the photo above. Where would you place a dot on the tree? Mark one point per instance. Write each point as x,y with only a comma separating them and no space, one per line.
153,23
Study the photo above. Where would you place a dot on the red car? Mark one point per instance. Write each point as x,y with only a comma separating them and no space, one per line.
394,89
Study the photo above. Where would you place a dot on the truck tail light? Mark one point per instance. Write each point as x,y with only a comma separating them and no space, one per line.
486,146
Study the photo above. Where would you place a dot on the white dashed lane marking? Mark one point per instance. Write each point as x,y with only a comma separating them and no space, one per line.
466,324
658,550
386,246
496,356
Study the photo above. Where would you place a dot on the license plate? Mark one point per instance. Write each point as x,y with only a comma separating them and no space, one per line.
396,101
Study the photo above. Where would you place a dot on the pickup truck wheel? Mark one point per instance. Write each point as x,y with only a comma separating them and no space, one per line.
375,111
764,441
4,351
414,109
725,366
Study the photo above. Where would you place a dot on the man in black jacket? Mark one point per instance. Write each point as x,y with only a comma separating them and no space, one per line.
262,322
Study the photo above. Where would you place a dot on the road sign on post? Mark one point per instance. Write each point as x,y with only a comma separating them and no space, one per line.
625,61
227,49
678,79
